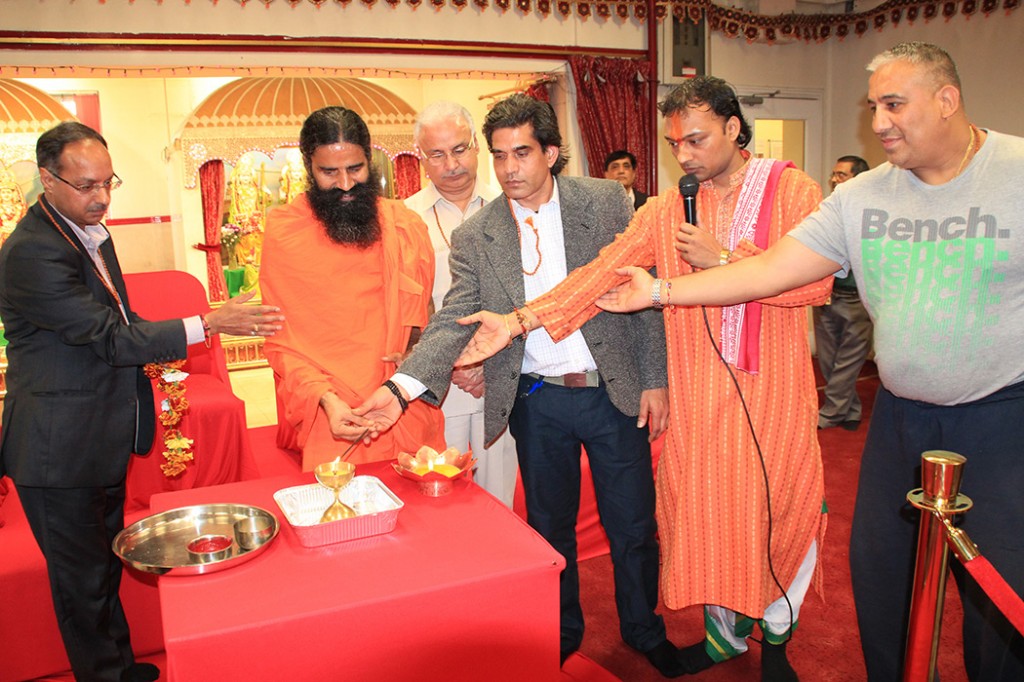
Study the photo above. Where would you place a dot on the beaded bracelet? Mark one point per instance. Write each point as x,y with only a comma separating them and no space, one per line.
206,330
521,319
393,387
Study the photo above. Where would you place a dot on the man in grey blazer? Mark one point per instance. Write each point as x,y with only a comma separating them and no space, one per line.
77,401
600,389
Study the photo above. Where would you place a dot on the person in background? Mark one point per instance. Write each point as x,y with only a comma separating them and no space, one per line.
78,403
936,242
599,389
842,333
620,166
447,145
353,272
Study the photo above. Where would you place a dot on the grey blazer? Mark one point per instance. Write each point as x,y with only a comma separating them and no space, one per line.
487,275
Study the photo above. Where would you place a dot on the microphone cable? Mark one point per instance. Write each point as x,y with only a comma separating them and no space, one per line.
764,473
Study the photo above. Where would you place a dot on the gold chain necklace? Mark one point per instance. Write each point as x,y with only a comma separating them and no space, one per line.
536,235
967,153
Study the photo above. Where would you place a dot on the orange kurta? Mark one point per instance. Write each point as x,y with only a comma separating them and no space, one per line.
712,510
345,308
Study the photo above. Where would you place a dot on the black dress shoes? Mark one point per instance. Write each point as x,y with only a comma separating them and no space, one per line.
775,665
141,672
665,657
695,658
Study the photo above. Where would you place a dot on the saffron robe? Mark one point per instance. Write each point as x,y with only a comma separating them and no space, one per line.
345,309
711,508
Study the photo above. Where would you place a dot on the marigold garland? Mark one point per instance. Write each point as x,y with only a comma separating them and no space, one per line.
171,381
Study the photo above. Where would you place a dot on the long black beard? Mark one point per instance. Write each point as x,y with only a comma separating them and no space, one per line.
354,222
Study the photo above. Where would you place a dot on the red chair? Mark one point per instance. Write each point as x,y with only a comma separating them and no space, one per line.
215,420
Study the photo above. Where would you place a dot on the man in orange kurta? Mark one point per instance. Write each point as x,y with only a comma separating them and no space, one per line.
354,273
714,519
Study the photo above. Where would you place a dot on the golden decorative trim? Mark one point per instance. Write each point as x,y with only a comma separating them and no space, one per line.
243,352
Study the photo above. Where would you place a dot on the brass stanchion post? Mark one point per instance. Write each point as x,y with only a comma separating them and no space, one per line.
938,496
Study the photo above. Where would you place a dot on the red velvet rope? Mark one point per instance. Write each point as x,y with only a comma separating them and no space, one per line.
1001,594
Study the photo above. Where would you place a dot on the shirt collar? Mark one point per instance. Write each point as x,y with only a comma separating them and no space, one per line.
522,211
91,236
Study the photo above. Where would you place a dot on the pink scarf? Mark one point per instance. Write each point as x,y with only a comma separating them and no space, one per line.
741,324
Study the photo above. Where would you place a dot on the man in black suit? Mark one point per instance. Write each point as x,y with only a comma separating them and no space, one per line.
620,166
78,403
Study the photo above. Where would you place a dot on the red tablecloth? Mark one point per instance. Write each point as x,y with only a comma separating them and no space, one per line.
462,589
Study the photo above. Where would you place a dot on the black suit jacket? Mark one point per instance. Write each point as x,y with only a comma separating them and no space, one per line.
69,418
639,199
486,265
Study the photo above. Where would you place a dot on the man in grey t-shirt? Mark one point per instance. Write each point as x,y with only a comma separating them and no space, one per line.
935,240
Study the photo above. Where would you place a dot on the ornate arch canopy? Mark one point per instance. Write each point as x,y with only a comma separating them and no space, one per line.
25,113
264,114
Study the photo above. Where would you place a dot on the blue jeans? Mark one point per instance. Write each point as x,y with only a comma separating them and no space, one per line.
550,424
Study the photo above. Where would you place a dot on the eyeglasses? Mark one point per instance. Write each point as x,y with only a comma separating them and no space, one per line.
437,158
92,187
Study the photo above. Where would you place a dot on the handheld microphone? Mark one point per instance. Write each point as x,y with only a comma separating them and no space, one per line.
688,186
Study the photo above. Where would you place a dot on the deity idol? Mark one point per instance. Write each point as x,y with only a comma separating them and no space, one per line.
12,204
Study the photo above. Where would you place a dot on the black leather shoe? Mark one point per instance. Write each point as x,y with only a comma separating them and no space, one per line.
850,425
141,672
695,658
665,657
775,665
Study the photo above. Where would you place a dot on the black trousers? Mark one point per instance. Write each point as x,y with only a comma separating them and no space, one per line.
990,434
550,424
74,528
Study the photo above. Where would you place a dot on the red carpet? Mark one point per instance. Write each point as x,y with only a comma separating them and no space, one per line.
826,646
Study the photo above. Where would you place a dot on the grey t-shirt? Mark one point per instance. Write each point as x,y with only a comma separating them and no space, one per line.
940,269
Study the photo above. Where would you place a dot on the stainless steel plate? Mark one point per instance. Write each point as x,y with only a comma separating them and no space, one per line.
159,543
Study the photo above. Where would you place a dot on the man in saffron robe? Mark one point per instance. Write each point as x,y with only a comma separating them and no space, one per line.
715,520
354,272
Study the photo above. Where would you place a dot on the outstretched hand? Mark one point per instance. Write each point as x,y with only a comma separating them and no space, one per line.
381,408
632,295
234,317
493,335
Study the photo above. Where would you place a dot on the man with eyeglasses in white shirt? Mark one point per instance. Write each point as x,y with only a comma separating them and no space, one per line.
448,148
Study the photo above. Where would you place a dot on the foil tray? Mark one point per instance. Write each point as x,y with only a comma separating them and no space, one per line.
375,505
159,543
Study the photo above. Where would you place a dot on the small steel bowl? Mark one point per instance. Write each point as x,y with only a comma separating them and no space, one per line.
253,531
208,548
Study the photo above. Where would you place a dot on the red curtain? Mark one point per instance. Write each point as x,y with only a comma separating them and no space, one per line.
614,110
407,176
211,184
539,91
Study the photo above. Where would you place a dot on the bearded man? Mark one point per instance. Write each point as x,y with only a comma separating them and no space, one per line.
355,272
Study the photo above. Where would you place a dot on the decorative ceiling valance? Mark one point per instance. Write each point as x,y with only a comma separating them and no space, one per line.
819,27
25,113
265,114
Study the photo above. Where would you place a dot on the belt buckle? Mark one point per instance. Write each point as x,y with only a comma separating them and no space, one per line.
575,380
